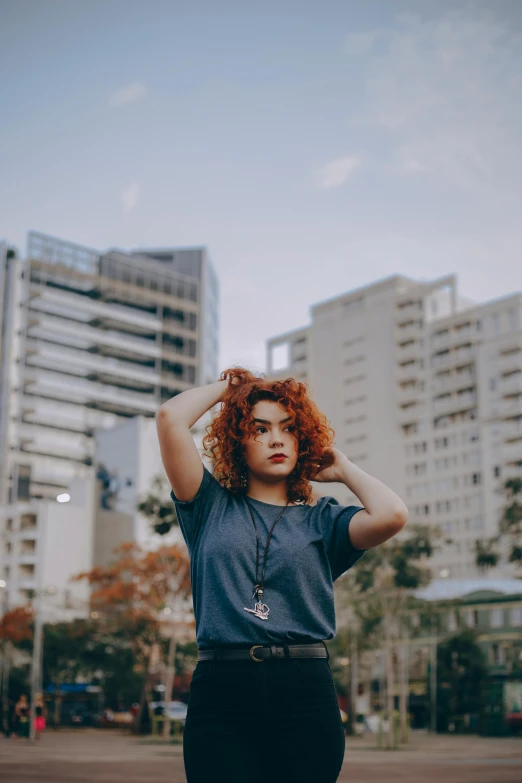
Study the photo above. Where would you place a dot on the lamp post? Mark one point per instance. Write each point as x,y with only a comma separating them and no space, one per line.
36,661
5,664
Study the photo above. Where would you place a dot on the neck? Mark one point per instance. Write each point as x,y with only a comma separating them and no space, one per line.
268,493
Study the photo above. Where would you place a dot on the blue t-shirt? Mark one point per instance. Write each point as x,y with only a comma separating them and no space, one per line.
309,549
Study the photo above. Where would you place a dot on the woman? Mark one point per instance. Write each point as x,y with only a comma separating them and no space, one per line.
40,714
264,556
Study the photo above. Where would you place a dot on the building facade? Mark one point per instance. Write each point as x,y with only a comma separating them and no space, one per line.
89,340
424,390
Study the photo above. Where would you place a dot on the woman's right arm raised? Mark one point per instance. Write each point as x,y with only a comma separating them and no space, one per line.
179,453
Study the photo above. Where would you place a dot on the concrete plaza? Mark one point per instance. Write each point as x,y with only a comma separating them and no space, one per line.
108,756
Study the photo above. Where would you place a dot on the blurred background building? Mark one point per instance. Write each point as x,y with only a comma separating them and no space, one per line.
91,345
424,390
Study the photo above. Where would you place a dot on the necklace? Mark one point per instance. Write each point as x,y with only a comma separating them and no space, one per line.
261,610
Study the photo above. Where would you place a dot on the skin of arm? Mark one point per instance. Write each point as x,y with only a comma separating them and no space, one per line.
189,406
384,514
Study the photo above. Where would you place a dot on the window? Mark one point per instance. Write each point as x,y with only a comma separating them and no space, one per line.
471,618
495,323
497,654
496,471
512,319
496,618
515,615
452,622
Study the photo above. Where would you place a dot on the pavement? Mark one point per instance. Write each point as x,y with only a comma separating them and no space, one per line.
110,756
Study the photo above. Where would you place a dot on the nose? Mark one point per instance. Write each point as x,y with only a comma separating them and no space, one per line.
276,440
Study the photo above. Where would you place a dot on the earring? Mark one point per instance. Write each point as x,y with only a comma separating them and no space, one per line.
244,479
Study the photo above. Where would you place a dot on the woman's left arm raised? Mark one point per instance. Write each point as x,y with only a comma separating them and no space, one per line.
384,513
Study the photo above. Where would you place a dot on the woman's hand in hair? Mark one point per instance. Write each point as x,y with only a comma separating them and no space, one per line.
330,468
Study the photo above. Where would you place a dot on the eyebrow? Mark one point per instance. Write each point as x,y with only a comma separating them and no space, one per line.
264,421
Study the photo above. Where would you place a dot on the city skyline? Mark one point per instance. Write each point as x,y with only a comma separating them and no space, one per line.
358,140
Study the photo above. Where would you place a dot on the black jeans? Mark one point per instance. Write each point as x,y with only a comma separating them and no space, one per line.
263,722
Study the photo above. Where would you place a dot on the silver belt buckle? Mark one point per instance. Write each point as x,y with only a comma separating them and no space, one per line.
252,655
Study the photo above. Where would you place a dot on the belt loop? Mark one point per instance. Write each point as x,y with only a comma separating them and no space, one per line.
287,651
327,652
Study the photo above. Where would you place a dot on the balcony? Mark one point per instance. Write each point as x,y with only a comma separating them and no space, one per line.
408,372
440,341
512,430
457,358
511,407
86,310
512,452
408,394
27,559
409,352
455,403
454,382
408,312
511,385
510,362
410,414
410,331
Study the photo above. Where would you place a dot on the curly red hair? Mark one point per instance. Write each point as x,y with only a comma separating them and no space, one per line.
223,442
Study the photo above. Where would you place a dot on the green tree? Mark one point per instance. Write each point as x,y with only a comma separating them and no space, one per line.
461,669
158,508
377,593
487,552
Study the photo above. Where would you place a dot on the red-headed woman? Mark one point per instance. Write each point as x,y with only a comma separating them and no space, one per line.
265,553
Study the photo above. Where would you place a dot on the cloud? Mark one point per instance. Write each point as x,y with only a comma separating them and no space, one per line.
338,171
360,43
129,196
128,94
443,92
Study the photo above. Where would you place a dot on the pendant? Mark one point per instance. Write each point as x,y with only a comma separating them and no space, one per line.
261,610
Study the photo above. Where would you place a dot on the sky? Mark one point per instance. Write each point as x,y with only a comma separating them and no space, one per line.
312,147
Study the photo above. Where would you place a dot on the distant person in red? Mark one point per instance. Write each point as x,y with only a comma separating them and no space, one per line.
40,714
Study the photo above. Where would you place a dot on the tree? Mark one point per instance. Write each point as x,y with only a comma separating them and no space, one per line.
377,592
160,512
487,553
163,519
15,625
64,657
136,596
461,668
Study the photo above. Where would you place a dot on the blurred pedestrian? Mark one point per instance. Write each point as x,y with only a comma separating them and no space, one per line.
40,715
22,713
262,698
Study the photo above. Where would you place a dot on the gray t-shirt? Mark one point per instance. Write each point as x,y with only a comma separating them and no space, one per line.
309,549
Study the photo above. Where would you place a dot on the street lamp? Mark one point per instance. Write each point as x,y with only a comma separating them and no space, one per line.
5,662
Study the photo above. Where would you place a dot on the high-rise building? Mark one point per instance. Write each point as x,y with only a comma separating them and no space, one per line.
424,391
88,340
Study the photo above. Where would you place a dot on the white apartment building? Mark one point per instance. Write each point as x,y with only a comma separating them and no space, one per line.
424,391
91,344
129,455
43,544
88,340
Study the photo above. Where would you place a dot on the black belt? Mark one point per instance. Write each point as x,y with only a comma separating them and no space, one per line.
264,652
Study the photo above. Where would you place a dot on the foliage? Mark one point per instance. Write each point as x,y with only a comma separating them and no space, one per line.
487,552
461,667
15,625
160,513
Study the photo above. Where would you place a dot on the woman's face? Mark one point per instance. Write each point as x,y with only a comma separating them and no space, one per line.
275,434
